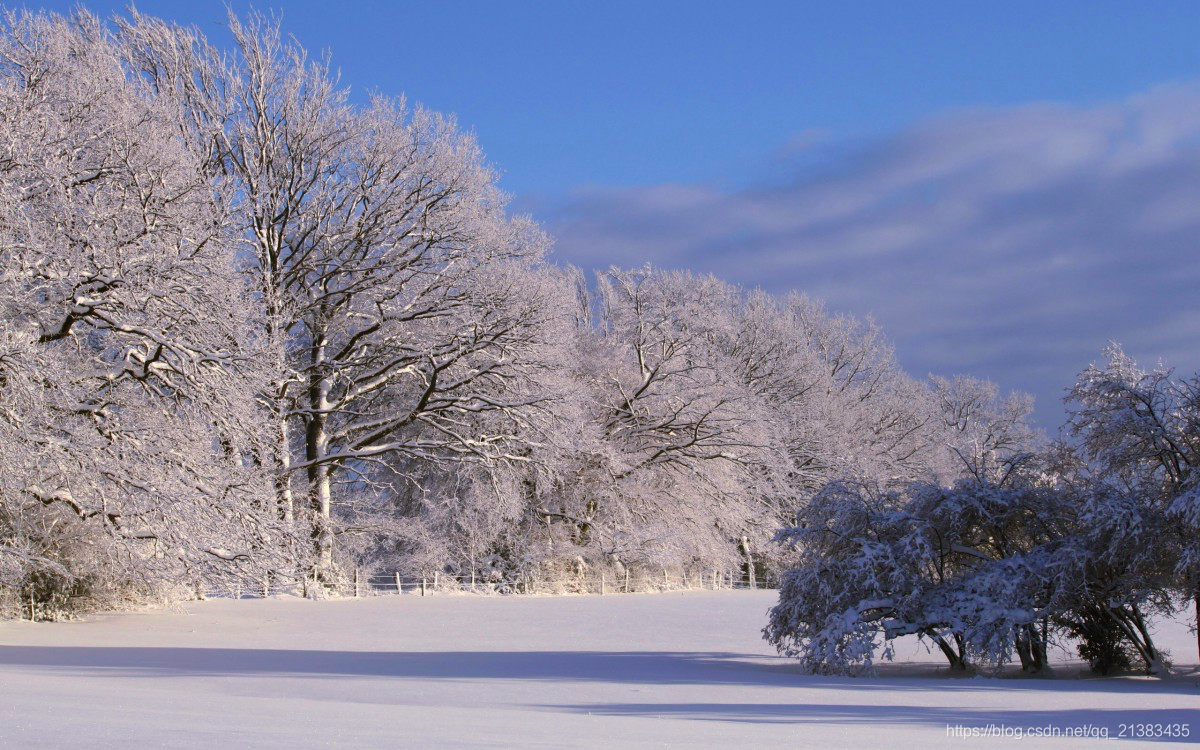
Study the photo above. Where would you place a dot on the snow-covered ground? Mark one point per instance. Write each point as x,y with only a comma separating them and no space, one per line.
679,670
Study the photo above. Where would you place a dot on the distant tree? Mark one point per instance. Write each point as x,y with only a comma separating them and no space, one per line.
674,435
988,437
875,422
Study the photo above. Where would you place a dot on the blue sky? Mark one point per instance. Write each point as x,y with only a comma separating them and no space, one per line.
1004,186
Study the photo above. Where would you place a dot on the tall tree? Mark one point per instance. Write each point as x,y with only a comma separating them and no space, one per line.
123,406
377,248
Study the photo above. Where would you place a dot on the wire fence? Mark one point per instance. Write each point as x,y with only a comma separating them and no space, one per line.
364,584
23,604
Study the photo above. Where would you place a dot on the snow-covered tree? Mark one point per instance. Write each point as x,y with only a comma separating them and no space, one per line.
830,401
875,423
125,363
1140,431
994,543
477,516
954,566
865,569
1113,573
983,571
1138,427
380,255
989,437
672,435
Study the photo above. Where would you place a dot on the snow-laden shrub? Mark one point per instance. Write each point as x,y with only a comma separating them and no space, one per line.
864,570
1112,573
984,572
875,566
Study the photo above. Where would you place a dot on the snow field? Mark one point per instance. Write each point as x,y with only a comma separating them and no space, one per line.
657,670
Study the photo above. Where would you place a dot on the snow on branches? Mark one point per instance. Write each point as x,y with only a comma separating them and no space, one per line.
1028,544
124,360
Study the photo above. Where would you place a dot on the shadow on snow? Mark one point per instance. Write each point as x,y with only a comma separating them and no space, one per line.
630,667
636,667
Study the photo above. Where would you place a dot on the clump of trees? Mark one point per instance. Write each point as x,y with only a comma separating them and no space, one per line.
1031,543
232,302
253,333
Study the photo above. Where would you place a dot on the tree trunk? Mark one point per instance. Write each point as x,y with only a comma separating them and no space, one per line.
957,659
319,472
1197,600
324,526
283,479
750,572
1031,648
1146,647
320,499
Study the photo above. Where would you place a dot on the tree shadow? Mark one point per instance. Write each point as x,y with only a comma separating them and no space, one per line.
632,667
919,707
637,667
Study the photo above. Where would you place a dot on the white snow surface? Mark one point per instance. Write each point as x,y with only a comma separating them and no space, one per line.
682,669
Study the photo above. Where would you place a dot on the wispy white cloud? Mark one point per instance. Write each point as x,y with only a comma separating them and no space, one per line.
1010,243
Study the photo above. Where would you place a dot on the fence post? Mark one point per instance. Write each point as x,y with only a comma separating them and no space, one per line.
626,580
266,585
603,583
422,587
435,580
399,588
357,592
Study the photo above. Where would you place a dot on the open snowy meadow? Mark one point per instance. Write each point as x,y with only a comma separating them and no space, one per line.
643,670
